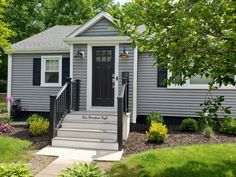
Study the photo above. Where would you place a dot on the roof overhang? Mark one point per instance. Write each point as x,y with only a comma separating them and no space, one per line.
90,23
18,51
98,39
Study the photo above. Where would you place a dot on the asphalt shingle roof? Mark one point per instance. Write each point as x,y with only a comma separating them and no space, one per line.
50,39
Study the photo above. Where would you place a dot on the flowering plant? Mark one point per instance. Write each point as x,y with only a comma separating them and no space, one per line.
6,129
9,99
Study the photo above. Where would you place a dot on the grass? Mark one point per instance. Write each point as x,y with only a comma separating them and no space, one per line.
207,160
13,149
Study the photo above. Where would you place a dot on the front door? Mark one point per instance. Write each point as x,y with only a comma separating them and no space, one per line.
103,76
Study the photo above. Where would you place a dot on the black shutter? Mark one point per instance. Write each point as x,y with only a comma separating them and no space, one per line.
36,71
161,77
65,69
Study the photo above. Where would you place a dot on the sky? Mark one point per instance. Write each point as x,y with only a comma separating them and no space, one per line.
122,1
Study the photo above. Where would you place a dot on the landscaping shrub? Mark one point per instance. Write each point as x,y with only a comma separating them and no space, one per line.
208,132
38,128
83,170
3,108
228,126
14,170
6,129
34,117
211,107
189,125
7,120
157,132
154,117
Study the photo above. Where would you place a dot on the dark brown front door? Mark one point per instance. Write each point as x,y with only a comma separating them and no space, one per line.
103,71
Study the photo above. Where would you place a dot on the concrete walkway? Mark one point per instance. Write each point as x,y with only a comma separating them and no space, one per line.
66,158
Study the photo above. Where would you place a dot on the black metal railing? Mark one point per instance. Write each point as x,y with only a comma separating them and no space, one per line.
67,99
122,108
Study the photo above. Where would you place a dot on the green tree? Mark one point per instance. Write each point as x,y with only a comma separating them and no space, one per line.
69,12
24,17
5,32
188,37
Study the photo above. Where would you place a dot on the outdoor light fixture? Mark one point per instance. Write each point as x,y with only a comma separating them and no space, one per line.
80,54
124,54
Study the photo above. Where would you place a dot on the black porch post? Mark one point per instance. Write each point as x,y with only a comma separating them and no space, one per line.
68,95
77,95
120,123
52,118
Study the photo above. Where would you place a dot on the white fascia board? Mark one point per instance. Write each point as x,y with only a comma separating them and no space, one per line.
91,23
98,39
16,51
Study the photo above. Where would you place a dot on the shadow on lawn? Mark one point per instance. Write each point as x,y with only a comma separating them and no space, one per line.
189,169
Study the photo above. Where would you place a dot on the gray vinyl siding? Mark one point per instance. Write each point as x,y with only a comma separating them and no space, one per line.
80,72
101,28
170,102
33,98
127,65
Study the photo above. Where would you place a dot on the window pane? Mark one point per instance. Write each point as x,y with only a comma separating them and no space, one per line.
52,65
200,80
52,77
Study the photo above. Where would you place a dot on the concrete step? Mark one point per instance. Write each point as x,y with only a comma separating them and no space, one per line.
87,133
92,116
82,124
85,143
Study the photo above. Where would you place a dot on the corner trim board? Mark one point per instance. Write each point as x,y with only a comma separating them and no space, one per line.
135,85
9,78
71,60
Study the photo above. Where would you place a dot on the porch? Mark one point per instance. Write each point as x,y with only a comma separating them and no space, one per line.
74,128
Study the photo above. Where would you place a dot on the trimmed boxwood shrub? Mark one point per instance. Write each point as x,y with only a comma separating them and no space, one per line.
228,126
189,125
14,170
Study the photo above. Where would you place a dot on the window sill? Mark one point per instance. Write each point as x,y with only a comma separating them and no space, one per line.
200,87
50,85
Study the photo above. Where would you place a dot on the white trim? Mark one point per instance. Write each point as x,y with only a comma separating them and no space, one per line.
9,77
89,78
188,85
135,76
98,39
43,61
71,60
90,23
38,51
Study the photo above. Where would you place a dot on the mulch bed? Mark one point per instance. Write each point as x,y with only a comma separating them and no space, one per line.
138,141
38,162
38,142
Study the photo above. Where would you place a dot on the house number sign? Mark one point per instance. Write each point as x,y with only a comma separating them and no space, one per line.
95,117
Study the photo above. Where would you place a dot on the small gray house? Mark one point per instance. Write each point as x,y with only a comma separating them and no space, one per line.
94,84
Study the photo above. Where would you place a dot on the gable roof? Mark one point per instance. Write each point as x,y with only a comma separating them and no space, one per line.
90,23
50,40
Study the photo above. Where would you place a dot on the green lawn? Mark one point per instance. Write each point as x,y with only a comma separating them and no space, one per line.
13,149
186,161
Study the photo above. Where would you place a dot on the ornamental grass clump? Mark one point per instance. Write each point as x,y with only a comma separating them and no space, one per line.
157,132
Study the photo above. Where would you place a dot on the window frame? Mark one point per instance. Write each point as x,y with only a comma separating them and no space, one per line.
187,85
43,70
